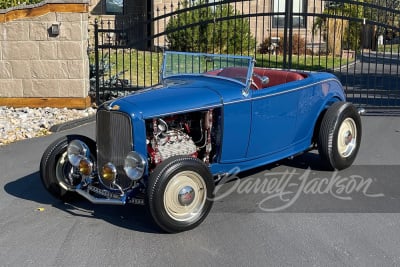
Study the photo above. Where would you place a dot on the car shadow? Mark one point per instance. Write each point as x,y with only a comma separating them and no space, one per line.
133,217
376,191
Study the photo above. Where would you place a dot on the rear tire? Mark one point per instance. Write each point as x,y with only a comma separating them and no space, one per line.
339,136
180,193
58,176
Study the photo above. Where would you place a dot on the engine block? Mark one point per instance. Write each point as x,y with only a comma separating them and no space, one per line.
176,143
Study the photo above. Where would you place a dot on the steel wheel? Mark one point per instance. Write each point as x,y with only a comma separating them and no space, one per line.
339,136
180,193
347,137
184,196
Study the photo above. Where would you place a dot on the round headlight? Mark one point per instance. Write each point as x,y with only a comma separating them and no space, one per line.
134,165
76,151
109,172
85,167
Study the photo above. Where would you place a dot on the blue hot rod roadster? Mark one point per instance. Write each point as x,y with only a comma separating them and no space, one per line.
165,146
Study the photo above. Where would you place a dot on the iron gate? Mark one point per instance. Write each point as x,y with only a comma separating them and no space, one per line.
359,41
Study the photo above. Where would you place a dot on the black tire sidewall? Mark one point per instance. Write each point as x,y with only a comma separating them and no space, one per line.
158,181
48,171
50,159
333,120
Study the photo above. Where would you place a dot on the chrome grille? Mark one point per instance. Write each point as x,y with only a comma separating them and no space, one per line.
114,141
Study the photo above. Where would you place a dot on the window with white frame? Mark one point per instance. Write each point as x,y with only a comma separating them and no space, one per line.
279,7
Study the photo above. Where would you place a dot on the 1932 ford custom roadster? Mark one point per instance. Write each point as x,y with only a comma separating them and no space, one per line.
165,146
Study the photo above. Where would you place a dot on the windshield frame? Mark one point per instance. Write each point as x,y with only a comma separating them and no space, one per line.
247,62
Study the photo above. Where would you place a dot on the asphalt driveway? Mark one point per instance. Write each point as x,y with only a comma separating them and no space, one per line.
310,218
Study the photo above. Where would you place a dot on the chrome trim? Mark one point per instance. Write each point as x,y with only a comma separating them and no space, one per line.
185,111
140,160
246,90
114,130
113,172
279,93
177,76
76,151
186,195
163,76
362,111
95,200
293,90
162,71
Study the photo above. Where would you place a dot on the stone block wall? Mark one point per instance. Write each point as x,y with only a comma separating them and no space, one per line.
38,68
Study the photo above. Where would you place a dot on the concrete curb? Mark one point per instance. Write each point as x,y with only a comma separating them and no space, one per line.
71,124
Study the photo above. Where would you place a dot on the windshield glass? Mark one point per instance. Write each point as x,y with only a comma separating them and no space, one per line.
181,63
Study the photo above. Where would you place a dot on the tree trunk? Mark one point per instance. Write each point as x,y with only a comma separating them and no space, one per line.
335,30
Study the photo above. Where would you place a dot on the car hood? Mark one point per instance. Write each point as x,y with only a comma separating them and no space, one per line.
176,96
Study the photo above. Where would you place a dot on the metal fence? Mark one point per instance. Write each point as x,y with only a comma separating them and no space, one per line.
359,41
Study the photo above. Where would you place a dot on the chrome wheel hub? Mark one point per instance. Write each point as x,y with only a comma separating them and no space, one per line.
186,195
347,137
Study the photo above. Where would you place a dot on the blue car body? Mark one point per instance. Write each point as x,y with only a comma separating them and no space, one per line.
211,116
260,127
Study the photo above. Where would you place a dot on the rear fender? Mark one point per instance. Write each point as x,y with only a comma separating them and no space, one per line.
321,113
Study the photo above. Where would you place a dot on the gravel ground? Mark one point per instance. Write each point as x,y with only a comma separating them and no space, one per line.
22,123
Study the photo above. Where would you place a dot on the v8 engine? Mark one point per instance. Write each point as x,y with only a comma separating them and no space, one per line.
183,134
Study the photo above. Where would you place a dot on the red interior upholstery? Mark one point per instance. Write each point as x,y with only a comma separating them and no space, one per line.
240,73
278,76
275,76
214,72
234,72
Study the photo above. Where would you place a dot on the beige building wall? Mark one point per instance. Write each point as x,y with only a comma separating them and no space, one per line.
38,67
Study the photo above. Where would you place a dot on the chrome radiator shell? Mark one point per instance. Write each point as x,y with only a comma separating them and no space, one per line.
114,141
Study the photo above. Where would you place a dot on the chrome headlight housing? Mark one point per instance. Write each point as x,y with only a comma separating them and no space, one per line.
109,173
76,151
85,166
134,165
78,155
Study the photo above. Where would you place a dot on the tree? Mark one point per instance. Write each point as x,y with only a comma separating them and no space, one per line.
338,31
384,12
212,30
11,3
342,32
183,30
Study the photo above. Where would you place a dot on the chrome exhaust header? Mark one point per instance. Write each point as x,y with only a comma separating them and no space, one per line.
362,111
108,201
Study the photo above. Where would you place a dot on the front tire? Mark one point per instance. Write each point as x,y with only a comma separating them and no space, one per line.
339,136
180,193
58,176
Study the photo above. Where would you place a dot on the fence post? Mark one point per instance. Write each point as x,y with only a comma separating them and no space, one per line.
288,36
96,59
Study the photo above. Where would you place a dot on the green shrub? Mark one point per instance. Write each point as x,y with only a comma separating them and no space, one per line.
11,3
206,29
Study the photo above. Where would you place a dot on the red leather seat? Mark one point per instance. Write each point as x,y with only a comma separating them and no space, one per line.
275,76
240,73
278,76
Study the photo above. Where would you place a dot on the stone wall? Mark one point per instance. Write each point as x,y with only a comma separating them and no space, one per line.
38,68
